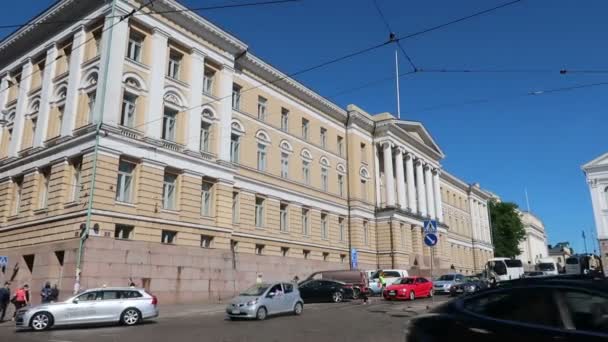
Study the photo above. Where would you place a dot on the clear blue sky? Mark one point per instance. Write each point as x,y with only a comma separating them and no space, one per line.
507,143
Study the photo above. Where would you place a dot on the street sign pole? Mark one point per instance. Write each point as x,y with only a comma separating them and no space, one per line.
432,257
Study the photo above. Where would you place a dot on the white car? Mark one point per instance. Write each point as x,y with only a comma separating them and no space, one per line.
389,277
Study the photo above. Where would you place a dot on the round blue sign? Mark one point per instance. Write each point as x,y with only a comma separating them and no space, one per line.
430,239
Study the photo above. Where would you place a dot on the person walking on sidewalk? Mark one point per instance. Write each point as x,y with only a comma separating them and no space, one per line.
5,298
20,299
54,294
46,293
258,280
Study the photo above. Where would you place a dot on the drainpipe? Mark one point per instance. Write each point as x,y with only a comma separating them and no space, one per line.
99,118
348,218
392,243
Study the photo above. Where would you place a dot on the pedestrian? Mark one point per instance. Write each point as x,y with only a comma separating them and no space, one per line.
258,280
382,281
5,298
46,293
20,299
54,294
363,295
296,280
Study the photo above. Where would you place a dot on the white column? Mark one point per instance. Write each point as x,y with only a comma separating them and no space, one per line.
420,188
428,186
411,185
157,84
437,197
3,91
71,100
22,101
197,69
225,115
377,175
46,94
114,48
388,174
400,178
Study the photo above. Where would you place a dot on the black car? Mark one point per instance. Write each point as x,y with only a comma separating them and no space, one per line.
468,286
324,291
533,309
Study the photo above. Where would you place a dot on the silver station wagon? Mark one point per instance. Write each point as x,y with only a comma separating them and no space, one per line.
262,300
123,305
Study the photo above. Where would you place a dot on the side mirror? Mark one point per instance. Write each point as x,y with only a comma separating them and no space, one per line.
271,295
75,301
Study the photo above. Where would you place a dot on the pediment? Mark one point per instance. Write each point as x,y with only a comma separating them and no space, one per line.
597,162
418,132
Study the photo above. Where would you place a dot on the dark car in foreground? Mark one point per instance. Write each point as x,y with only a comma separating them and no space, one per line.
325,291
532,309
468,286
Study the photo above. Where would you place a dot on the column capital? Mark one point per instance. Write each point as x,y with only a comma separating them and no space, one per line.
427,167
159,32
409,155
227,68
386,144
400,150
198,53
419,162
26,61
436,172
79,29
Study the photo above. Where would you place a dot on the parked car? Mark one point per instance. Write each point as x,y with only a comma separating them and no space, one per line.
409,288
325,290
263,300
468,286
529,309
127,306
533,274
355,279
445,282
389,276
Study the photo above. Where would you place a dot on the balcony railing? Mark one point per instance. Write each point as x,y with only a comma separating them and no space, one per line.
130,132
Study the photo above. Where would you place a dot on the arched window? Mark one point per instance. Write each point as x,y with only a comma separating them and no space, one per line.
235,140
263,137
286,146
306,159
324,173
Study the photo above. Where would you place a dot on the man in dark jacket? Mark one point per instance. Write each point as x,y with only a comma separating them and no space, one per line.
46,293
5,297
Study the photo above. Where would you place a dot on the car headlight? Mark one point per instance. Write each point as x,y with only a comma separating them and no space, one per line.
252,302
447,286
404,290
470,288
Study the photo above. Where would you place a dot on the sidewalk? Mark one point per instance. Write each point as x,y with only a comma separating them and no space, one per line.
183,310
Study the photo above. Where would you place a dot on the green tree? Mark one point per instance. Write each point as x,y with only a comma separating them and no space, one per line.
507,229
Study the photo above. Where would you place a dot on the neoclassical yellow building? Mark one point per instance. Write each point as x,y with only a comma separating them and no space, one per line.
199,166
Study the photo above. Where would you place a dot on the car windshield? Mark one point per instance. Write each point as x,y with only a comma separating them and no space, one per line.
376,275
546,266
404,281
513,263
572,261
470,279
256,290
446,277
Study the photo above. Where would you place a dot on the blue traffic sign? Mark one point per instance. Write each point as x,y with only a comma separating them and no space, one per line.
430,226
3,260
430,239
353,258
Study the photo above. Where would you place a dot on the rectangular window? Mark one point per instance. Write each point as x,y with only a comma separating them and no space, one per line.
206,241
76,180
206,198
169,191
235,207
284,165
284,217
97,38
123,232
306,171
324,224
261,157
45,179
342,258
306,253
235,147
340,143
168,236
402,228
262,103
365,232
324,179
91,106
134,47
124,182
325,256
175,61
34,124
236,96
127,115
284,251
259,212
341,229
284,119
323,137
341,185
259,249
364,189
363,153
305,126
17,195
205,135
169,124
208,79
305,221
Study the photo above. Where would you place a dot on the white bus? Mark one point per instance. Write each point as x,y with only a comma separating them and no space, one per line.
548,266
503,269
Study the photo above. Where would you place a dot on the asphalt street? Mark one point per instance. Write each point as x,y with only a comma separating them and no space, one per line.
349,321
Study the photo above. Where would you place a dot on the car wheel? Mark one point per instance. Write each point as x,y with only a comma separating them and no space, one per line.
41,321
412,295
337,297
130,316
261,314
298,308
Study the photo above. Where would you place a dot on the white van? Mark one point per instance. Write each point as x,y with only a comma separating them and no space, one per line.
548,266
389,276
504,269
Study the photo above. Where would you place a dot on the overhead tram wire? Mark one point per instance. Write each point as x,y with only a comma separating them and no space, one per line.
134,13
206,8
392,35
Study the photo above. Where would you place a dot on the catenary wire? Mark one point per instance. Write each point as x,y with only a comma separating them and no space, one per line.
392,35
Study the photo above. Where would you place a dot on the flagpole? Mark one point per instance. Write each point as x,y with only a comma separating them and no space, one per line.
585,242
397,79
527,200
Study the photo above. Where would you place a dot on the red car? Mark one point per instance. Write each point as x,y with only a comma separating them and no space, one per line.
409,288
